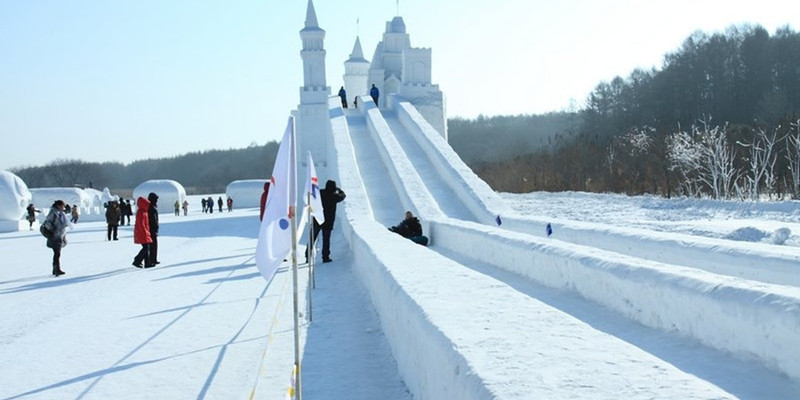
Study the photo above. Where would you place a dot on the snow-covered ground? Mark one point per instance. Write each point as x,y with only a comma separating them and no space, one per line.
204,324
631,297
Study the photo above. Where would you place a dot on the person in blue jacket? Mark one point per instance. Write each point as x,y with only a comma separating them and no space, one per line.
374,92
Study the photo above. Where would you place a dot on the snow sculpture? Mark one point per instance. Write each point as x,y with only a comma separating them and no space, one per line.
43,198
167,190
14,197
246,193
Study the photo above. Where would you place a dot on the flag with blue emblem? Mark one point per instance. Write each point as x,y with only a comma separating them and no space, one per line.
312,193
275,232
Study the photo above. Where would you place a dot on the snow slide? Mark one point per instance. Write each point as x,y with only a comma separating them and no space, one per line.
404,302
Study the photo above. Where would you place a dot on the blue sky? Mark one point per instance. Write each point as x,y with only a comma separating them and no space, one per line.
126,80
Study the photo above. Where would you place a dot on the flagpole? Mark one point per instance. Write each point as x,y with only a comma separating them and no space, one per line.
293,217
310,258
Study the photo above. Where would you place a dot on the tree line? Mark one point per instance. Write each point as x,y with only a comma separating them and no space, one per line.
728,100
199,172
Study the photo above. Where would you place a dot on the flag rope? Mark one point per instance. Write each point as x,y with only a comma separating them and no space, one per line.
272,326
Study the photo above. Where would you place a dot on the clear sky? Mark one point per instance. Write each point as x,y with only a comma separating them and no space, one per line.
123,80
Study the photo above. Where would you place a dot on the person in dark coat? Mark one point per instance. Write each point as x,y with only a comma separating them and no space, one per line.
31,215
203,203
410,228
112,219
128,212
142,234
210,205
152,217
343,96
56,222
219,203
375,93
329,197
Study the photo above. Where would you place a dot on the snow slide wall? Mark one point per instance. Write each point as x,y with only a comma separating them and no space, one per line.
421,350
722,312
756,323
746,260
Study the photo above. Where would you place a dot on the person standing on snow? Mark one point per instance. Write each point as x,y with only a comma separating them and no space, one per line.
56,222
219,203
75,213
112,218
343,96
142,234
31,215
230,204
329,197
185,208
177,208
152,218
375,93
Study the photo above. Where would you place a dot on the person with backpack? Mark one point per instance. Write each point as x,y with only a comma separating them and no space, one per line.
55,229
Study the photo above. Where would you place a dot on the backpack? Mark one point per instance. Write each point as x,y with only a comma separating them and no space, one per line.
45,232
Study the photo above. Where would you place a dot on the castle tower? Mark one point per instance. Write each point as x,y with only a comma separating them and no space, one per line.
356,73
311,117
399,70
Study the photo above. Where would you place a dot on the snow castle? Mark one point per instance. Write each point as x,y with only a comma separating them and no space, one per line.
399,71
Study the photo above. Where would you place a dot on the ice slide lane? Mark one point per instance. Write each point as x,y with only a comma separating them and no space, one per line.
752,261
393,276
687,300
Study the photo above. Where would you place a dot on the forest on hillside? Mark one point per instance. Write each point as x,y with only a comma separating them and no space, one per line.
720,118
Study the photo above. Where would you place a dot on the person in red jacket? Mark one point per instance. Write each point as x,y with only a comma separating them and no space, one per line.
264,200
141,233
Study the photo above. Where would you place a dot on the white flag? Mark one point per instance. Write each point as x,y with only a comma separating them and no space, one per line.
312,193
275,233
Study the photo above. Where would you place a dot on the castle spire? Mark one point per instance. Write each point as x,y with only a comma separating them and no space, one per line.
357,54
311,16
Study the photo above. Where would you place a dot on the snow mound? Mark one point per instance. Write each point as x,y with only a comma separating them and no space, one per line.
747,234
780,236
14,196
246,193
168,192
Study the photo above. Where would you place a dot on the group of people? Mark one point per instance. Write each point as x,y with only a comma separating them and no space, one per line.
208,204
145,231
373,92
178,206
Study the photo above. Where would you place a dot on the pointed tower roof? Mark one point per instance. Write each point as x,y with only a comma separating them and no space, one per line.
311,19
357,55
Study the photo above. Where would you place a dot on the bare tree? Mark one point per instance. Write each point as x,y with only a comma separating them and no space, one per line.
761,164
793,157
705,160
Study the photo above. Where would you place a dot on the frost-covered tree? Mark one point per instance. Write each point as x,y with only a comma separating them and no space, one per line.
705,160
793,156
760,164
